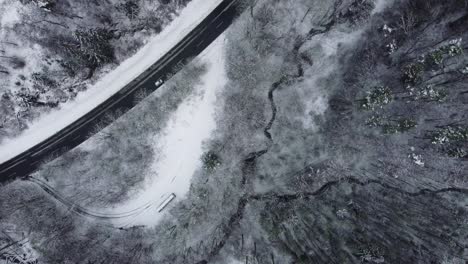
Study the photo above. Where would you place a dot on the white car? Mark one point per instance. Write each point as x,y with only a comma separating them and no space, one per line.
159,82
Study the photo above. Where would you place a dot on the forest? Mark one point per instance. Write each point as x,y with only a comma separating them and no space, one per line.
51,50
342,137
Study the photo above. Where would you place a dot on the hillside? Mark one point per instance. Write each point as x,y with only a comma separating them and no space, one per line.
51,51
341,137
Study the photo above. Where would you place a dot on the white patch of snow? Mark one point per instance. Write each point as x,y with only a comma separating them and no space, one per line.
51,123
380,5
392,47
465,70
333,40
21,252
9,13
417,159
387,29
180,144
326,47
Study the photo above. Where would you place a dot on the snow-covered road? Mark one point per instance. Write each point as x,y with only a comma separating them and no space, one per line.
180,144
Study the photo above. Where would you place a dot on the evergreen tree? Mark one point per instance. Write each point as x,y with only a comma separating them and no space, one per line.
210,161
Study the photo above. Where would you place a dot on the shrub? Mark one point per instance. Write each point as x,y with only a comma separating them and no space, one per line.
412,73
417,159
452,49
406,124
88,48
457,153
429,93
43,79
436,57
210,161
17,63
378,97
449,134
400,126
374,121
130,9
464,70
94,45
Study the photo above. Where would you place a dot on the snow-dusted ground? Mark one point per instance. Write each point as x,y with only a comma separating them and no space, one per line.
10,11
380,5
21,252
180,144
234,261
112,82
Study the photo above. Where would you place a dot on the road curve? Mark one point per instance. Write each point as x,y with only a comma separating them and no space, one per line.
76,133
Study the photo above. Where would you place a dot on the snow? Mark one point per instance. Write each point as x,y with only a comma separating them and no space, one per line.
22,251
234,261
180,144
157,46
9,13
380,5
325,46
417,159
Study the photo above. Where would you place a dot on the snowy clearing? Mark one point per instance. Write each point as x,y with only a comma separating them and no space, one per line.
181,145
112,82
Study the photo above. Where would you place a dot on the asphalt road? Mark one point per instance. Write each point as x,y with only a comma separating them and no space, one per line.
71,136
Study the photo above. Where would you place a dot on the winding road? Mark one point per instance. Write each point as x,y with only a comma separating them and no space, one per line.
74,134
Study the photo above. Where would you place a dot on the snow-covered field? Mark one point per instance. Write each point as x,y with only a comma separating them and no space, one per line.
181,145
111,83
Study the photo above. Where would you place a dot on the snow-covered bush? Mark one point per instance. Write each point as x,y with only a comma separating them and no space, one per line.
452,49
374,121
436,57
378,97
210,161
417,159
449,134
129,8
343,213
93,46
399,126
464,70
392,47
412,73
457,153
387,30
427,92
